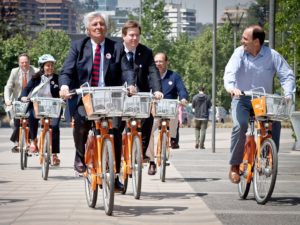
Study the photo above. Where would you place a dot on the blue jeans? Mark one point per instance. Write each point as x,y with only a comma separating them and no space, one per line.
241,108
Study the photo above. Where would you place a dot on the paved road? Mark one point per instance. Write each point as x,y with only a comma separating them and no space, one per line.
196,191
207,174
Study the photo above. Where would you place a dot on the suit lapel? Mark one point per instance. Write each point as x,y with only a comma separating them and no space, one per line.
107,56
88,54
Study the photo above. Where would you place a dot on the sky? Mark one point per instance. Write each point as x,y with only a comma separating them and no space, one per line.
204,8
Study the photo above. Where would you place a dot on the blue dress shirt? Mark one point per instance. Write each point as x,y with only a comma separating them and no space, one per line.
245,72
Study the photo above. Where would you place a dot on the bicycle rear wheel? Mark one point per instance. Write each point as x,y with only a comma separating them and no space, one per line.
108,178
136,161
265,171
23,149
46,156
163,162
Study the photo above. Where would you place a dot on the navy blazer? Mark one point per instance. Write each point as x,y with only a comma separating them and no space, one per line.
77,68
146,74
173,86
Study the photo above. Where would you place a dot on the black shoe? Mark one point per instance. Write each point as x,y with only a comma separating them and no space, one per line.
152,169
174,146
197,146
202,147
79,166
119,187
145,159
15,149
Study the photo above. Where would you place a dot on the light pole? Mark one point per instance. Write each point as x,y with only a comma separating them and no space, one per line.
235,23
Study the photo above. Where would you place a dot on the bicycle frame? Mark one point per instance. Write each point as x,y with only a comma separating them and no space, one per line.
163,128
134,129
102,130
253,146
46,127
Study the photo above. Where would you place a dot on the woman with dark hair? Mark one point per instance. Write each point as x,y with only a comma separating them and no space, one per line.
44,84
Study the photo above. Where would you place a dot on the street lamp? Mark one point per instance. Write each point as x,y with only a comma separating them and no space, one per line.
235,23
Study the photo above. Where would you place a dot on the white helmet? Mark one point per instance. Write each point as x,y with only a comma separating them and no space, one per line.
46,58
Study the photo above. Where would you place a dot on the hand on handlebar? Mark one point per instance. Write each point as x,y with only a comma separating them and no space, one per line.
65,94
183,102
158,95
131,90
25,99
235,92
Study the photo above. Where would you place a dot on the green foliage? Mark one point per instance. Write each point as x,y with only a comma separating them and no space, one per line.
288,26
49,41
155,27
9,51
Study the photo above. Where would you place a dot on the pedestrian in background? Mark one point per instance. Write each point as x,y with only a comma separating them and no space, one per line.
201,104
17,81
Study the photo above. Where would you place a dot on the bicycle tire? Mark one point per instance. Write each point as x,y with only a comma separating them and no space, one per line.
265,171
136,161
90,194
163,162
23,149
91,190
123,174
246,168
108,176
46,156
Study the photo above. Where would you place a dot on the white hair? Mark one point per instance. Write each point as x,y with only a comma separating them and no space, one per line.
91,15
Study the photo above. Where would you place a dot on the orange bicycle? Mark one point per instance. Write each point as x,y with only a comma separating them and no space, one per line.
165,109
19,110
101,104
45,109
260,160
135,108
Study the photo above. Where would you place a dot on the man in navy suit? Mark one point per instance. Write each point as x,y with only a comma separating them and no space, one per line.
146,74
173,87
77,70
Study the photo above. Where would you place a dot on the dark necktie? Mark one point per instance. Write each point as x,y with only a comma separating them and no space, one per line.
130,59
96,67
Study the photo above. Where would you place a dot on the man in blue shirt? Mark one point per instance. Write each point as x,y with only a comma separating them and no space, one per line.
252,65
172,87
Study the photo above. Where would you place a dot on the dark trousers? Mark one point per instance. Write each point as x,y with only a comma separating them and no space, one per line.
146,132
33,129
15,134
81,131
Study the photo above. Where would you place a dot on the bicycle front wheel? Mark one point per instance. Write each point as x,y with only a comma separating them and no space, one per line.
90,179
91,191
163,162
265,171
46,156
108,178
136,167
23,149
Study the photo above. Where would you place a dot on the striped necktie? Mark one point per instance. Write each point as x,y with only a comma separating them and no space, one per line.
96,67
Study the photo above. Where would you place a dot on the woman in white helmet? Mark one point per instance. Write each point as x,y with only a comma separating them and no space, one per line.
50,88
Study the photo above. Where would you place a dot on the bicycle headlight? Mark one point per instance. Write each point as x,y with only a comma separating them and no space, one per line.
164,123
104,124
133,123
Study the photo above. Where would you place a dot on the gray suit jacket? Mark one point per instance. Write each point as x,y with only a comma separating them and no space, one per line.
13,87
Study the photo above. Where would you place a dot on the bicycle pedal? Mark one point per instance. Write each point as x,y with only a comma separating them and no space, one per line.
168,164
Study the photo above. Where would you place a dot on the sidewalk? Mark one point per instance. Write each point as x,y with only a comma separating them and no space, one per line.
25,198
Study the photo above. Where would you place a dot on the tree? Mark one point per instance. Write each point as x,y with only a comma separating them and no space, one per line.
155,27
52,42
288,28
